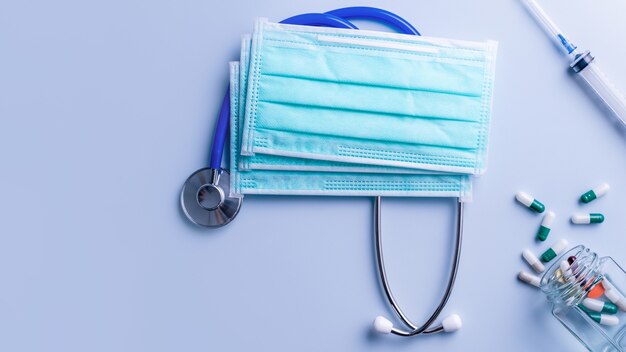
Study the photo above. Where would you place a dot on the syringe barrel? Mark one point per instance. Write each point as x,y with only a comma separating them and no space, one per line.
607,92
542,18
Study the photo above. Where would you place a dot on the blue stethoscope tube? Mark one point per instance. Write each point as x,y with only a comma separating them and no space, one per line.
375,14
339,18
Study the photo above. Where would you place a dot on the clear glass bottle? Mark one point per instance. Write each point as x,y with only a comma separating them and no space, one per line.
566,292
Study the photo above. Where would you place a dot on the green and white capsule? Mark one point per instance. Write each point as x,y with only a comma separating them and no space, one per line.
597,305
530,202
546,223
614,296
592,218
595,193
553,251
603,319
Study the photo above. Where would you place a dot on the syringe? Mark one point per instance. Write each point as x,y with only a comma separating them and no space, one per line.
583,64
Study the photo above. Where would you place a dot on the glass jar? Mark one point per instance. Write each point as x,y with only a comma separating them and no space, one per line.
585,272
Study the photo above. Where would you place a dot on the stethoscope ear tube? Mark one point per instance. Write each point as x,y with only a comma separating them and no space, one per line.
451,323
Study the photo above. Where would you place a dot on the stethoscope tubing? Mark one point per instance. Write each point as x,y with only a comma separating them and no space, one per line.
380,263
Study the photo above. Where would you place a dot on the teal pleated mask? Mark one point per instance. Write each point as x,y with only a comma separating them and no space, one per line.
279,162
330,183
370,98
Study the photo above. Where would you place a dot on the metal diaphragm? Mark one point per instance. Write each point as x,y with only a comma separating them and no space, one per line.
205,198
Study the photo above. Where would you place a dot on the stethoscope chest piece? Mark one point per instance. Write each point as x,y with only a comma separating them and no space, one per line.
205,199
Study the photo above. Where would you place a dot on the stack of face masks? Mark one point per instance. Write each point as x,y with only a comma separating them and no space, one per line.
324,111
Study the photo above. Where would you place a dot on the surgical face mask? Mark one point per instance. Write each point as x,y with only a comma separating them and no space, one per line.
368,97
331,183
279,162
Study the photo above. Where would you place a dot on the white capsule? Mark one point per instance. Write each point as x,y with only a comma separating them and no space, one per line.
607,284
533,261
524,198
559,246
606,319
601,190
581,218
595,305
614,296
529,278
548,219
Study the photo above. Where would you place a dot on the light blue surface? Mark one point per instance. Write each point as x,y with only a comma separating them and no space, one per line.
105,109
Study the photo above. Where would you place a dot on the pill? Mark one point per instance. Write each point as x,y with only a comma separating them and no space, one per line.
595,193
530,202
597,305
533,261
553,251
546,223
603,319
571,259
529,278
566,272
614,296
558,274
593,218
597,291
583,308
607,284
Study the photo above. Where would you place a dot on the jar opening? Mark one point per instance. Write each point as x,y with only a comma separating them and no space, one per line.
571,276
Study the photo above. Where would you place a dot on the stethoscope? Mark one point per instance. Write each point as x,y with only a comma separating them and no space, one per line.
205,195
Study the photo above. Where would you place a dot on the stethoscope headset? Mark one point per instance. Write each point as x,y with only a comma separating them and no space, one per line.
205,195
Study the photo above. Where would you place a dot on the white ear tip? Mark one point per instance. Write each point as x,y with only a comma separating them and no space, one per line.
382,325
452,323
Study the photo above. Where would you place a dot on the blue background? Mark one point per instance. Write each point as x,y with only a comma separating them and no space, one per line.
106,107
